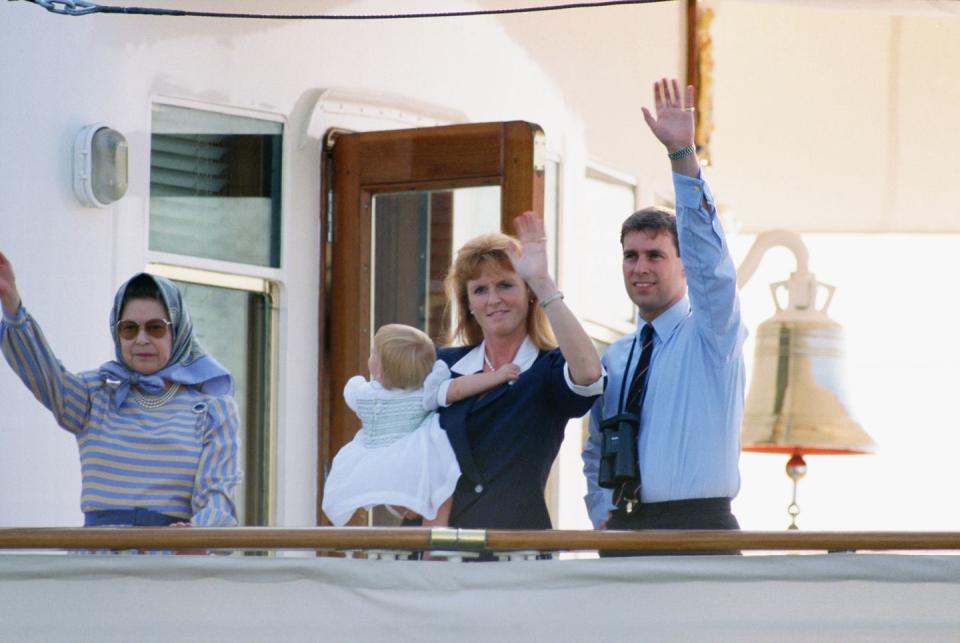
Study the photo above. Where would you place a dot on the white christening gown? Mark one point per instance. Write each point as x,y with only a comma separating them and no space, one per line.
400,456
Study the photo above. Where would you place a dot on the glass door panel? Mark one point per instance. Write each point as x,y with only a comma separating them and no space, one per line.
400,203
415,235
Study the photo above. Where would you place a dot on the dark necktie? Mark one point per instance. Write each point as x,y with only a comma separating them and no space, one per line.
630,491
639,384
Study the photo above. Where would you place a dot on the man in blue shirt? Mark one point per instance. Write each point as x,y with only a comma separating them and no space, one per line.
679,273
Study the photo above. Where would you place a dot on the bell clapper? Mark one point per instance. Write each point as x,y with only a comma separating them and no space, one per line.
796,469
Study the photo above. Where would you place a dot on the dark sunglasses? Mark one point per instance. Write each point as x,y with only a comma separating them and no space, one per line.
156,328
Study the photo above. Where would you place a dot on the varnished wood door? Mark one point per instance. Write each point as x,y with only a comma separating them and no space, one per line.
393,231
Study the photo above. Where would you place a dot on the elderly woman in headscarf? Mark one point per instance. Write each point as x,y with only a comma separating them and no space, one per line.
157,428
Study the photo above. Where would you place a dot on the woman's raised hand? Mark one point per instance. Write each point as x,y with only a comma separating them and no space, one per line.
9,296
530,262
530,258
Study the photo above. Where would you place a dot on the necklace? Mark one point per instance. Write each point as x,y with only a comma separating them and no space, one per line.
154,401
486,360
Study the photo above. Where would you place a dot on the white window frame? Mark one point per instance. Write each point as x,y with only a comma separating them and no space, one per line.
236,276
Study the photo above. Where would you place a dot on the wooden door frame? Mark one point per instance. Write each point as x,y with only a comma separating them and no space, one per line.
362,165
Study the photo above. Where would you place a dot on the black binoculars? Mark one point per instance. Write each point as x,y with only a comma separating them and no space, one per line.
618,450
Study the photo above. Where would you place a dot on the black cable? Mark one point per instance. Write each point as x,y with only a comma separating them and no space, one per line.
81,8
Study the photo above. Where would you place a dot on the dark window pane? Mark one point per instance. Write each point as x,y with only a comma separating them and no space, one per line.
233,325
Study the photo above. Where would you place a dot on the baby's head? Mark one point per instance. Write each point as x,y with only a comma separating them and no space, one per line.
402,356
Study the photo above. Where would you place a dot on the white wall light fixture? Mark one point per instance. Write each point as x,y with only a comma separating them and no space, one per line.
99,165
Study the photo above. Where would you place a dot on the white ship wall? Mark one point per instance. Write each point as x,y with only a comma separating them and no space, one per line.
62,73
828,120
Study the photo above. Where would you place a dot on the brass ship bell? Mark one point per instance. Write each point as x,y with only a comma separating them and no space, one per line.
797,402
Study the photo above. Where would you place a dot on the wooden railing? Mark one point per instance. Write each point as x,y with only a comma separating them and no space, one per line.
448,539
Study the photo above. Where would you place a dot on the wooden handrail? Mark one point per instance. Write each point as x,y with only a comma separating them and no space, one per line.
412,539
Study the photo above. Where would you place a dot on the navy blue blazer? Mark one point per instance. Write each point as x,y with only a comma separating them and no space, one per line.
505,442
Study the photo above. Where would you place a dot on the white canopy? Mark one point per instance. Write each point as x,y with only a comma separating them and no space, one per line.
835,597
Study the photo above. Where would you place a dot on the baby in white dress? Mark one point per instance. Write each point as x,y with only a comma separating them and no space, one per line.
401,457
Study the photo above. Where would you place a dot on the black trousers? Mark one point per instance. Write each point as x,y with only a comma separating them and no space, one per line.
695,513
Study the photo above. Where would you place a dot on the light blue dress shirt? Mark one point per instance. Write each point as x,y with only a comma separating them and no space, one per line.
689,441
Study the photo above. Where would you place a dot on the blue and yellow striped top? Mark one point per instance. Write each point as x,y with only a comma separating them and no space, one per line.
179,459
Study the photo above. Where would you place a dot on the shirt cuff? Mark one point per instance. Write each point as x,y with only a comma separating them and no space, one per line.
590,390
600,512
212,517
442,395
18,318
690,190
